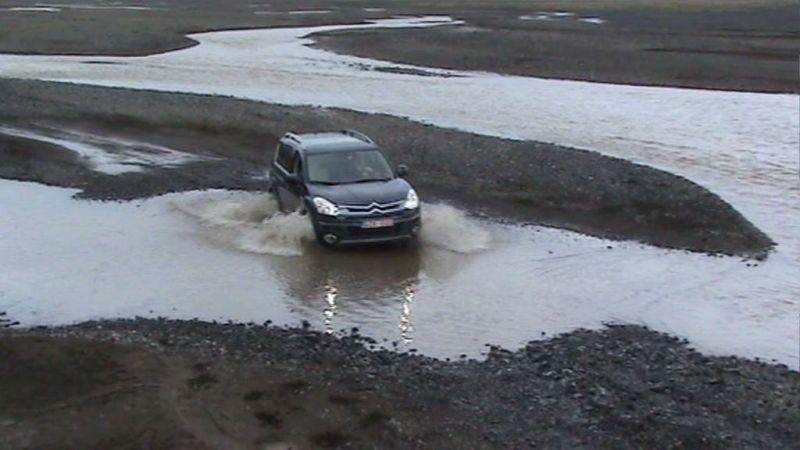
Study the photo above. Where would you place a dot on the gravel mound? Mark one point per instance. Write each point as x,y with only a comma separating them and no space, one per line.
620,387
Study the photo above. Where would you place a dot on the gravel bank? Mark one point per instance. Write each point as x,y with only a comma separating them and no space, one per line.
621,387
732,47
528,181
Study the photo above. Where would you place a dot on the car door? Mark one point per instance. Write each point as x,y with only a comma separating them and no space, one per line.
295,189
281,169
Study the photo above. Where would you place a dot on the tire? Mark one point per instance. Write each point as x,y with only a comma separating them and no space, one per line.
323,243
318,234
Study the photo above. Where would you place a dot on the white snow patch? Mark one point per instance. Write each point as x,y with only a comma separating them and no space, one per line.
89,6
105,153
536,17
374,9
548,15
33,9
295,13
561,15
311,11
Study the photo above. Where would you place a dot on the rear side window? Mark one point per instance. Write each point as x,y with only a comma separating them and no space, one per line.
284,157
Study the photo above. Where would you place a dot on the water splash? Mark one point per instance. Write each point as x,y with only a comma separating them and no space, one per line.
248,221
446,227
252,222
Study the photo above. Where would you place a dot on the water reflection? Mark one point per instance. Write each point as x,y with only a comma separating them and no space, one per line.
406,326
363,287
331,307
330,310
361,275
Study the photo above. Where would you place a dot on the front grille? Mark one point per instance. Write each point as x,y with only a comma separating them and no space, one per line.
372,209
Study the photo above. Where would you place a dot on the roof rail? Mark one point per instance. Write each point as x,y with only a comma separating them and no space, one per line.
291,135
357,135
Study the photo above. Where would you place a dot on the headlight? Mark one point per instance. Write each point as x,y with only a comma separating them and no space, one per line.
325,207
412,201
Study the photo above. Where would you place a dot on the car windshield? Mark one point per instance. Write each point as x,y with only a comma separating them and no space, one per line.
348,167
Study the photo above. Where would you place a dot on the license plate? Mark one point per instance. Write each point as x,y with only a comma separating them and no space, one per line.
377,223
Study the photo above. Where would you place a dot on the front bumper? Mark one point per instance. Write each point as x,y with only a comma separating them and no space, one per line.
349,230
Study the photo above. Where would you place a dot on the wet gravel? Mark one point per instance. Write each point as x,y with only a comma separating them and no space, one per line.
532,182
52,165
620,387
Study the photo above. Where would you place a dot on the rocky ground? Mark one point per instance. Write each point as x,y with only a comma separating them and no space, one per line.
528,181
189,384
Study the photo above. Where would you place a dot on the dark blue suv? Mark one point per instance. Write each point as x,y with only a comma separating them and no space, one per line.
347,187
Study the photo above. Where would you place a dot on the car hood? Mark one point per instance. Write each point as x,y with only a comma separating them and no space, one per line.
362,193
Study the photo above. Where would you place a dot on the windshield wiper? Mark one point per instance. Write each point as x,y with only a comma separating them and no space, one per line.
329,183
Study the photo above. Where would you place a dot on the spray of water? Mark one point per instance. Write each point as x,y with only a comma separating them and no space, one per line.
248,221
251,222
446,227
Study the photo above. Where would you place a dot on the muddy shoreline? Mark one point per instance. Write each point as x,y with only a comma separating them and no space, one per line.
525,181
621,387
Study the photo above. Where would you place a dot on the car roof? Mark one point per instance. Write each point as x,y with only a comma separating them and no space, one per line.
330,141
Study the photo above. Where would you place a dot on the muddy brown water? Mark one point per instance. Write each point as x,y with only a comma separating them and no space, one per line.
151,258
224,255
474,281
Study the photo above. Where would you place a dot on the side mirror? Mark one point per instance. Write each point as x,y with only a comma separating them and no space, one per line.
402,170
293,180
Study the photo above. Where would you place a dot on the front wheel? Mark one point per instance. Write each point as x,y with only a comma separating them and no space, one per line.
327,240
321,240
332,240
